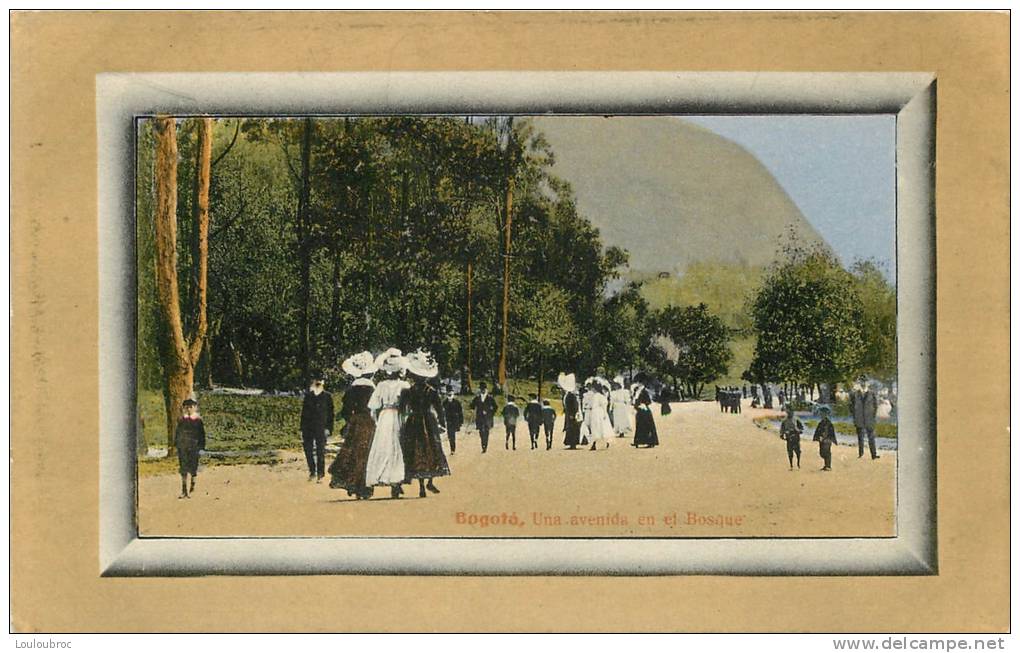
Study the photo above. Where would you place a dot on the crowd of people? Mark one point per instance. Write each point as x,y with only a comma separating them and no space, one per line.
395,418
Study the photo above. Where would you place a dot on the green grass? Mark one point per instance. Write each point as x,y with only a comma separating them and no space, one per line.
158,466
233,422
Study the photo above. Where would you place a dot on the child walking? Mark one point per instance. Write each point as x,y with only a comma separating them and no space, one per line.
825,436
189,439
510,415
790,430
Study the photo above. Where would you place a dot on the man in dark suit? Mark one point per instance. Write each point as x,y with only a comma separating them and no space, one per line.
316,425
485,412
533,416
548,422
453,414
864,407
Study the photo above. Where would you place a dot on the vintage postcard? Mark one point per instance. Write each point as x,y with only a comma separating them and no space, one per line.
651,323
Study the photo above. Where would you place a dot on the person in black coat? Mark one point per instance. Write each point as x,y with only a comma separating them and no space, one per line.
791,430
571,412
548,422
533,416
645,433
485,413
189,439
453,416
825,436
316,425
511,413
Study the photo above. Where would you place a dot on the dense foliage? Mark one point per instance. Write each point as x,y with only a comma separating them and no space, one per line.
332,235
815,322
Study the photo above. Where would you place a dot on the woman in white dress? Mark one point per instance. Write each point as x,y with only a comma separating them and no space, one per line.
619,408
596,412
386,458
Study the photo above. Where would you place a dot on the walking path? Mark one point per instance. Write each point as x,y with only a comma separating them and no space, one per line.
714,475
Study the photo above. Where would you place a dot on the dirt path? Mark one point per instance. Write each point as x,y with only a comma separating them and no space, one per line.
720,470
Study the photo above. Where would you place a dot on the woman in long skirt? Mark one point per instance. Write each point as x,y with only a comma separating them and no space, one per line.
596,415
385,464
619,408
644,431
571,411
350,465
423,448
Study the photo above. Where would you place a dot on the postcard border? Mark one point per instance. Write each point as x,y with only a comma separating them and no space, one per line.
911,96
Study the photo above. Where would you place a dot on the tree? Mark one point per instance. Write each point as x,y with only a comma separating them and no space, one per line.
694,344
807,320
878,307
550,328
182,352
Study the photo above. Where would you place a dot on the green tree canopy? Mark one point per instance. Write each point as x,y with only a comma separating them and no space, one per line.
694,345
808,320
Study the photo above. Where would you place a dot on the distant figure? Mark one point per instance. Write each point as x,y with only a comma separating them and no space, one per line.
619,405
645,433
453,418
548,422
825,436
533,416
790,430
316,425
864,407
347,472
767,391
664,408
571,411
385,464
745,391
420,441
511,413
485,413
189,439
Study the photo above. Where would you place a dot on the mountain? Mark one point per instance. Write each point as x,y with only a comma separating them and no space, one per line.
671,192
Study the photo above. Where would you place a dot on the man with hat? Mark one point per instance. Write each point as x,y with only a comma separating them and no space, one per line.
864,407
548,422
485,413
533,416
316,425
453,417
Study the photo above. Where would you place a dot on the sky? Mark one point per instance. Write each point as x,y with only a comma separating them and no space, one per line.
840,171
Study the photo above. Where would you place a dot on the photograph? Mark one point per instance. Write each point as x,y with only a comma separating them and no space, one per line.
516,325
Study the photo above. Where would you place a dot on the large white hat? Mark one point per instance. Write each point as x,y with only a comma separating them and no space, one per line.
618,380
361,364
422,363
391,361
567,382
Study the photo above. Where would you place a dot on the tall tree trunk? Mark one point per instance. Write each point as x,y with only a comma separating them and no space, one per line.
207,378
469,362
541,374
182,352
508,227
304,250
334,309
